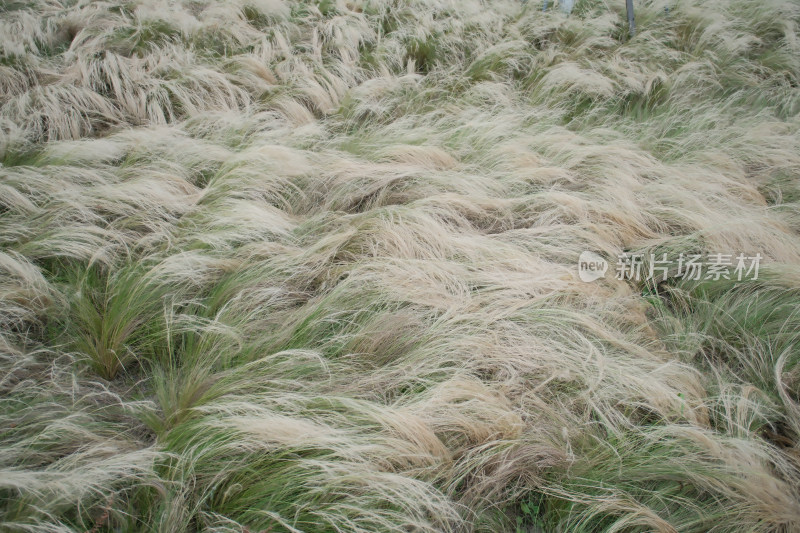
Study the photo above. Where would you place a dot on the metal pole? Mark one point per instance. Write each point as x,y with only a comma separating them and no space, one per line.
631,20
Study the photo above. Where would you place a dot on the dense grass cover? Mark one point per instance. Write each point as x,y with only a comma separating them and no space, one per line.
312,266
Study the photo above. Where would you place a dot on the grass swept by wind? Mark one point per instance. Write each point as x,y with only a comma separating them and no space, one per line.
310,266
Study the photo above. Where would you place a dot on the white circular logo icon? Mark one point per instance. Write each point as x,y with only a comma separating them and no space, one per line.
591,266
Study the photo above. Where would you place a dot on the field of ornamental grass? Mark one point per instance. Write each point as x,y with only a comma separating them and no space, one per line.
312,266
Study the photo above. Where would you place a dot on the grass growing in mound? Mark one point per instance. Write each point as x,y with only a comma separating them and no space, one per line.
311,266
